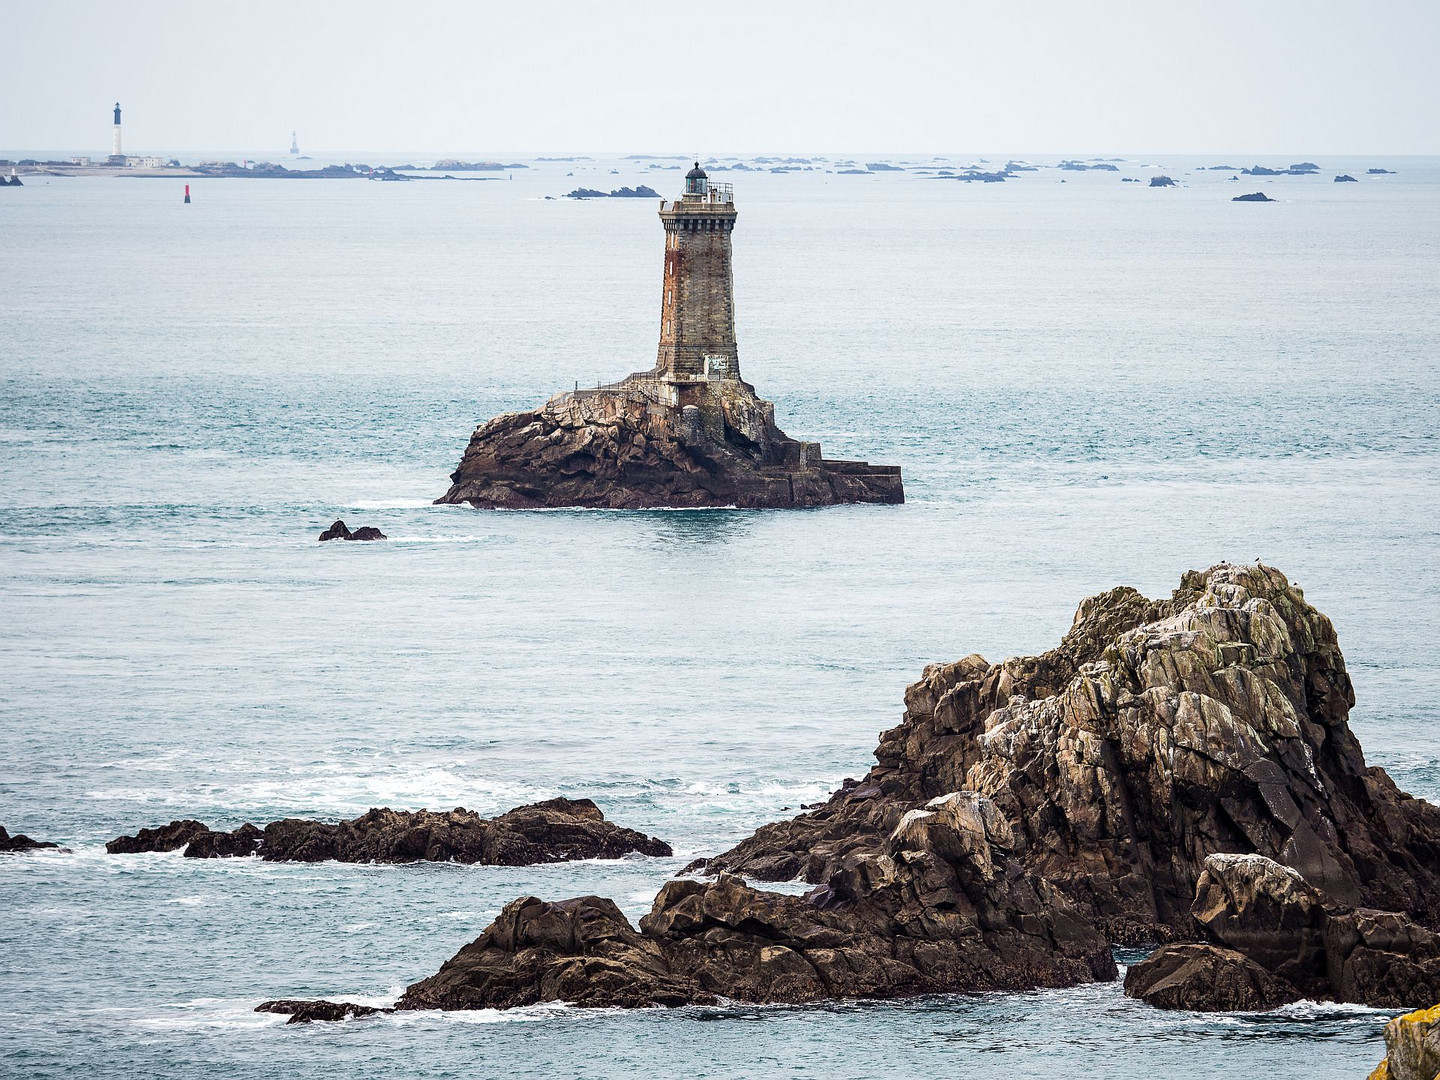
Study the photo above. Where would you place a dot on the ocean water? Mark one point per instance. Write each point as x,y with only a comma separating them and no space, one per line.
1087,384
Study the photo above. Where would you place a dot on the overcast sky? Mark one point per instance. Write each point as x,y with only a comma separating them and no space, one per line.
1282,77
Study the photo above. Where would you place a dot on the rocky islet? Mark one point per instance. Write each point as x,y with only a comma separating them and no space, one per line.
1178,769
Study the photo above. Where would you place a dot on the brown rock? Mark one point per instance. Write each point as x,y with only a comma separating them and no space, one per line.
942,909
1327,950
557,830
1206,978
1157,733
623,449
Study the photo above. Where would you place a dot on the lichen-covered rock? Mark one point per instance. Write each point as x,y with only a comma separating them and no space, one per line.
1206,978
558,830
626,449
942,909
1412,1047
1157,733
21,842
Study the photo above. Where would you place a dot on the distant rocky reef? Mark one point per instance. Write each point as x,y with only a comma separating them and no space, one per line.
559,830
1175,770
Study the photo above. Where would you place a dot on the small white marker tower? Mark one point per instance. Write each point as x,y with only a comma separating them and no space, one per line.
115,150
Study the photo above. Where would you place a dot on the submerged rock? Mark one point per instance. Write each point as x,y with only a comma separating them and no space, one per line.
557,830
21,842
339,531
942,909
1206,978
305,1012
1157,733
1412,1047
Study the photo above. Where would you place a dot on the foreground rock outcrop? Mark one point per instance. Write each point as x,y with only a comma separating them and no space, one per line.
624,448
558,830
1176,769
942,908
21,842
1157,733
1412,1047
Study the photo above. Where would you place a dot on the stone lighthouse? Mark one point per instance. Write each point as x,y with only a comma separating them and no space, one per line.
697,315
689,432
116,155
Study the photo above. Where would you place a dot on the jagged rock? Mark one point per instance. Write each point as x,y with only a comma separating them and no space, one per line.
1346,178
557,830
1412,1047
1161,181
1205,978
163,838
1254,196
943,908
1325,949
621,450
305,1012
21,842
1159,732
338,531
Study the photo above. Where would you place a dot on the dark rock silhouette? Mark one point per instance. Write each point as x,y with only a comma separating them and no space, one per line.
1345,178
558,830
305,1012
1255,196
21,842
1161,181
339,531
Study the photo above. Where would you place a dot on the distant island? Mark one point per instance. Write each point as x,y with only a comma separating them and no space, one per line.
641,192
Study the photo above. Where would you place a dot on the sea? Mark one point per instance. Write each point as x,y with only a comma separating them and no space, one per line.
1087,382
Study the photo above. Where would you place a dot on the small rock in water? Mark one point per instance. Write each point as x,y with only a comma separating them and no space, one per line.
305,1012
21,842
1161,181
1254,196
1346,178
338,531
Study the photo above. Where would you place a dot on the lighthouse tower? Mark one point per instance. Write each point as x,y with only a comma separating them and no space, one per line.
116,156
697,315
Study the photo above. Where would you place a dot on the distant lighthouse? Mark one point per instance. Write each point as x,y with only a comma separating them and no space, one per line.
294,143
115,151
